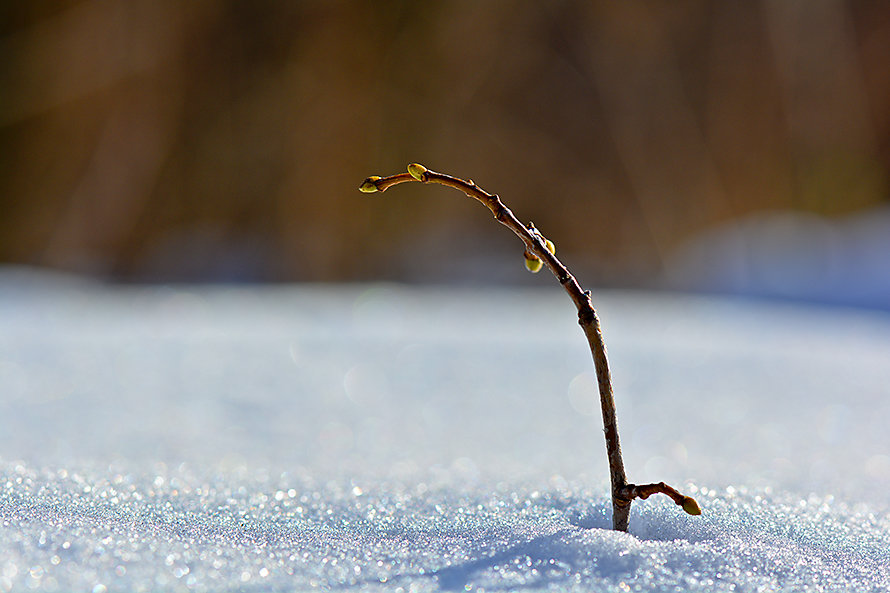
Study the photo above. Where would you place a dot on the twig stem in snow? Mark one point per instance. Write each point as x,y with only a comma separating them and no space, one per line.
537,248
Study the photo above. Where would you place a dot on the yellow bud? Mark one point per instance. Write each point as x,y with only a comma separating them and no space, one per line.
417,171
369,185
550,246
532,263
690,506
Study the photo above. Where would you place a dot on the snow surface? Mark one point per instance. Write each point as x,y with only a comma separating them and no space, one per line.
379,438
791,255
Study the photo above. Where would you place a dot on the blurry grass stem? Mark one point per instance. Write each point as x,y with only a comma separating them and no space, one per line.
540,251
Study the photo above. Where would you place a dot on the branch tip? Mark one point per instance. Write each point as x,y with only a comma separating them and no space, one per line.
690,506
369,185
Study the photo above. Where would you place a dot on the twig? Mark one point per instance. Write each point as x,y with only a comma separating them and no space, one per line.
540,250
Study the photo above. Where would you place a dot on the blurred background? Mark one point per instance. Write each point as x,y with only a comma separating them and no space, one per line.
732,147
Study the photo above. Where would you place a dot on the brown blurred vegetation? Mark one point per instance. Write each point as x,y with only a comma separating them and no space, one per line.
161,140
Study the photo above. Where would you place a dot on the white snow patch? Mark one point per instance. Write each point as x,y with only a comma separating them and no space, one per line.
389,439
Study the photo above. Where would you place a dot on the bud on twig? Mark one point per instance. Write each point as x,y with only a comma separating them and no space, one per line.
369,185
690,506
417,171
533,263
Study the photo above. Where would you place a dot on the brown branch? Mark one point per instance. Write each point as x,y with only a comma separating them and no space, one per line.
538,249
644,491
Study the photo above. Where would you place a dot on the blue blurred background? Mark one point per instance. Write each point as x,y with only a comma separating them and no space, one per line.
731,147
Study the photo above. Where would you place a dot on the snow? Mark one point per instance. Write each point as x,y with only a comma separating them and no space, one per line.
791,255
383,438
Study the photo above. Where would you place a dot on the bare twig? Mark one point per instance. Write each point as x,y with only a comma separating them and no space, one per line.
538,251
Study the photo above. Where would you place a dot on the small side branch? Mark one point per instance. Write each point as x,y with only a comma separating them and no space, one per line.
539,251
644,491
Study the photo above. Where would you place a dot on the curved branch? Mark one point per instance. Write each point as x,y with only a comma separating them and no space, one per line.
536,246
